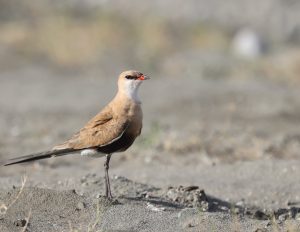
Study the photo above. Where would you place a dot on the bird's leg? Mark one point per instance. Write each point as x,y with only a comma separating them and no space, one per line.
107,182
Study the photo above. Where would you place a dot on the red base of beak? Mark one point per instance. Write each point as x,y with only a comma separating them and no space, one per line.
143,77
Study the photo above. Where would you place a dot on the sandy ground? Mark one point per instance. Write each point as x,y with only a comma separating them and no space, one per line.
214,155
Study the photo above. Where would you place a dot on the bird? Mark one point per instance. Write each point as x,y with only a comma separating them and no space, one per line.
113,129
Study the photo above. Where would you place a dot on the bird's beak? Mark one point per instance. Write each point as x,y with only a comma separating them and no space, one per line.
144,77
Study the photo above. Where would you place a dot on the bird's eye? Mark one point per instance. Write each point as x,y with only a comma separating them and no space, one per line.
129,77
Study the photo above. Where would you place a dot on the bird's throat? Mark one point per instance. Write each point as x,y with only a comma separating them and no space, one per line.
131,92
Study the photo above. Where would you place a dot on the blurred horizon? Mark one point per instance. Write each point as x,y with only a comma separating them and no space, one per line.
203,39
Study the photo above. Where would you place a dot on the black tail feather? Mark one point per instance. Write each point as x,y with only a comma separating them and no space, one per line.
37,156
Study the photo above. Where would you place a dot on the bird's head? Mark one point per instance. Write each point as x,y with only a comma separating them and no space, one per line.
129,83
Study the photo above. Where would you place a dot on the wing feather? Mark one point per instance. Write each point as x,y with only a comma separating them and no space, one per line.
101,130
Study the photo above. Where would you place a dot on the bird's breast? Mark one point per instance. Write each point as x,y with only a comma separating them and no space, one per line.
134,118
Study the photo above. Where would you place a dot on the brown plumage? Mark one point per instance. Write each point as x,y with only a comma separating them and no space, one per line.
113,129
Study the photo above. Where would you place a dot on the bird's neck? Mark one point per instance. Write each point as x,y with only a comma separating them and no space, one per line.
129,94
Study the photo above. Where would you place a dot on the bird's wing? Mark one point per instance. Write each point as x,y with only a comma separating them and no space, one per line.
101,130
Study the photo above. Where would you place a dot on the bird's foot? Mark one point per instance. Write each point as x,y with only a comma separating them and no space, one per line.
109,196
111,200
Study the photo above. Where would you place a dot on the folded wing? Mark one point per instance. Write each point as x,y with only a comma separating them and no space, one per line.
101,130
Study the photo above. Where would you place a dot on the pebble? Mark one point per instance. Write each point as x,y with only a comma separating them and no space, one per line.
260,215
224,208
190,196
283,217
191,188
80,206
240,203
236,210
20,222
186,213
204,206
3,209
297,216
189,225
155,208
73,191
260,230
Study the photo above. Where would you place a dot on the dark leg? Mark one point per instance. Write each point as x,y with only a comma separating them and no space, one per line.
107,182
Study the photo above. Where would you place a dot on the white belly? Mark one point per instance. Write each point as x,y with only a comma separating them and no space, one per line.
91,153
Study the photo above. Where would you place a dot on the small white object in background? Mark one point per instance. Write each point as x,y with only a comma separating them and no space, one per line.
246,43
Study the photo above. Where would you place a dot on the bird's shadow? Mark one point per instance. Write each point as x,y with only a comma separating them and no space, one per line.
214,204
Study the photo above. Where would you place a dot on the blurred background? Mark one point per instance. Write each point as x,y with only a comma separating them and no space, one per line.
211,39
225,75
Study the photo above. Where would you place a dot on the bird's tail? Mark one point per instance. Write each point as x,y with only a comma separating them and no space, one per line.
37,156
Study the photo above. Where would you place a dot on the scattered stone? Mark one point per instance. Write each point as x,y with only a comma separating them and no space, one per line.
73,191
3,209
260,230
283,217
155,208
240,203
297,216
283,214
191,188
224,208
268,224
80,206
144,194
186,213
204,206
294,211
20,222
84,184
190,196
260,215
189,225
236,210
291,203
